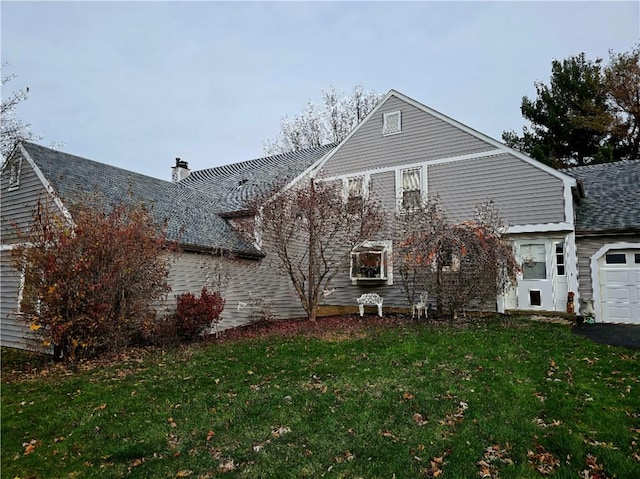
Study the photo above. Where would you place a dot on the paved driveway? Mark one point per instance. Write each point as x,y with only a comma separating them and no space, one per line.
625,335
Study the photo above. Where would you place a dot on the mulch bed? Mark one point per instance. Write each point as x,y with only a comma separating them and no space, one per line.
318,328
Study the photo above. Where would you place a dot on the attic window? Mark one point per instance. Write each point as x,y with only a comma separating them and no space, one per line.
391,123
14,174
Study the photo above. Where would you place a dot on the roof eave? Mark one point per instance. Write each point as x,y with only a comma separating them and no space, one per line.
607,232
193,248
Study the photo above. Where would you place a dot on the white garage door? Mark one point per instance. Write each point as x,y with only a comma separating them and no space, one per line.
620,286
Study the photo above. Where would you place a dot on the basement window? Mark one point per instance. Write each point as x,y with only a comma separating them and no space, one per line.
371,263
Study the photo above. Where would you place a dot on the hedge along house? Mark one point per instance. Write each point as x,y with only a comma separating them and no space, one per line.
402,151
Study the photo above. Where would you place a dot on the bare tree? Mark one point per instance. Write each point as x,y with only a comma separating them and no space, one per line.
328,123
311,229
459,264
12,129
622,81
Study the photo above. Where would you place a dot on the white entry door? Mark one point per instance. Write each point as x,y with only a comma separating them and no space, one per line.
535,285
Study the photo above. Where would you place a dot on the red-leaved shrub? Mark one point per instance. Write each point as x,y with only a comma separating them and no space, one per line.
194,314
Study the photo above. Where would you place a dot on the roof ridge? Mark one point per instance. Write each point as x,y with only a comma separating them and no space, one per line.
78,157
238,166
600,165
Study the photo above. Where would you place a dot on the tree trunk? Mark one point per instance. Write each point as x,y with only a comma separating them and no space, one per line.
313,306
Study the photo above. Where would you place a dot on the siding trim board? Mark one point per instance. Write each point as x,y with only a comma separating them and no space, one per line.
408,166
540,228
50,190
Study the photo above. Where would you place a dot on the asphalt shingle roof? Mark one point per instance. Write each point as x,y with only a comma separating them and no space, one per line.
191,215
612,196
233,186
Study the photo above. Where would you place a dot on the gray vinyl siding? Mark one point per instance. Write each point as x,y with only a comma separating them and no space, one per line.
19,205
523,193
12,329
249,282
16,213
382,187
424,137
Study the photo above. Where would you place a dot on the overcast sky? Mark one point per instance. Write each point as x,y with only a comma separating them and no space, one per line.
136,84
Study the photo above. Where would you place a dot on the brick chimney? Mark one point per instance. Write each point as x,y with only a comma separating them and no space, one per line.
180,171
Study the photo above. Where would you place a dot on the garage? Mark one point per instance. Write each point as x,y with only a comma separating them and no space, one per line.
619,278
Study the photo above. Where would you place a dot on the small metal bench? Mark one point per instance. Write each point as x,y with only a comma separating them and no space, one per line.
370,299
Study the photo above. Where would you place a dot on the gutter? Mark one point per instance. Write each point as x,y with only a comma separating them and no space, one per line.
606,232
222,252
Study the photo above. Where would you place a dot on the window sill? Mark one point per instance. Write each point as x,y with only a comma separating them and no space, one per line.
369,280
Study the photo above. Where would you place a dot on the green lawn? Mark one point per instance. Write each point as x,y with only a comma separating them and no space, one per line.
360,399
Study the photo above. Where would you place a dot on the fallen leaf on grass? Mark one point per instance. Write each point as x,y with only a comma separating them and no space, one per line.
419,419
435,469
210,434
280,431
540,396
544,425
346,456
227,466
184,473
541,460
30,446
389,434
594,470
607,445
101,407
493,454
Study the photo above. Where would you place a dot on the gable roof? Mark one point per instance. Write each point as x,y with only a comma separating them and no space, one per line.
499,146
612,197
234,186
191,215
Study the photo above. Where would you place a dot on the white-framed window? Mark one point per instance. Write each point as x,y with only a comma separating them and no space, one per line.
560,266
371,262
14,173
355,187
392,123
411,188
449,261
534,261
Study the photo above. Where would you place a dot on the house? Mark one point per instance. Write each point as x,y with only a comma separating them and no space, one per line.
401,151
607,228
